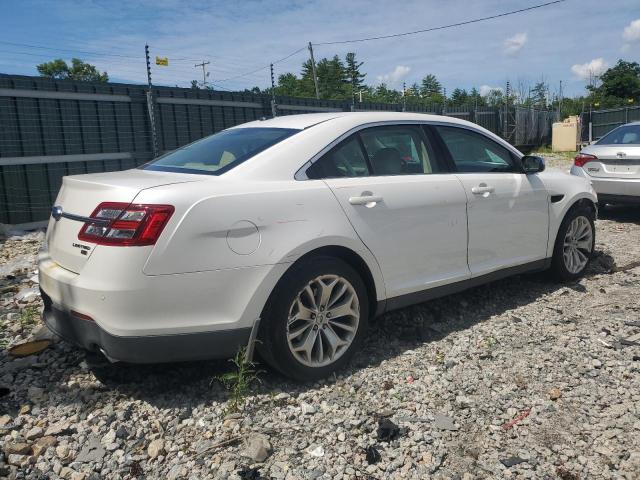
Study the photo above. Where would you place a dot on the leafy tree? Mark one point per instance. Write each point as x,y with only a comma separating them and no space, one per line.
431,89
384,94
495,98
619,84
287,85
459,97
79,70
476,99
306,87
333,81
539,95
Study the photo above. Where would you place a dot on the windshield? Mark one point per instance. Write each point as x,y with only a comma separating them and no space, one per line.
221,152
625,135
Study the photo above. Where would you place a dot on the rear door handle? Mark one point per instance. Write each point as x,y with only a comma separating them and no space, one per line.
482,189
368,200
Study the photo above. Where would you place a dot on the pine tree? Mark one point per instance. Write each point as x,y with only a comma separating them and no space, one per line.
459,97
431,89
354,76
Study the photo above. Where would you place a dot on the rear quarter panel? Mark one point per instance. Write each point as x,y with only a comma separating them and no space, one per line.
222,224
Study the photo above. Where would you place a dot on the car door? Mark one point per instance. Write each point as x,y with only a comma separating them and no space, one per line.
508,211
403,203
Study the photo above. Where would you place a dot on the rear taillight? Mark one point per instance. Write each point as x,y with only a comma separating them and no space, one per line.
583,158
126,224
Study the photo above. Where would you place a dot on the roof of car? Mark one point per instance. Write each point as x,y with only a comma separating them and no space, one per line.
307,120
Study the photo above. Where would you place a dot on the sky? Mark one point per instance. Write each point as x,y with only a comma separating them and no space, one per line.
565,42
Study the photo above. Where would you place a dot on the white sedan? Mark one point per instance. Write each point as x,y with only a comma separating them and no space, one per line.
295,231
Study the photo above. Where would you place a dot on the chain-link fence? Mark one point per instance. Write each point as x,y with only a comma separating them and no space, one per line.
49,129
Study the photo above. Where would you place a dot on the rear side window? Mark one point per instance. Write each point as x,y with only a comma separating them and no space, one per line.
398,150
626,135
344,160
473,152
221,152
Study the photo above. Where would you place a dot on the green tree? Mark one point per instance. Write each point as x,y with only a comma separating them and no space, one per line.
306,87
495,98
459,97
476,99
620,85
288,85
354,75
539,95
78,70
431,89
333,81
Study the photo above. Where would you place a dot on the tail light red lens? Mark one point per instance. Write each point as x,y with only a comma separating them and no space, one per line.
126,224
583,158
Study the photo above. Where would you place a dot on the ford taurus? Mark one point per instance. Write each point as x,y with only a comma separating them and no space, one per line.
295,232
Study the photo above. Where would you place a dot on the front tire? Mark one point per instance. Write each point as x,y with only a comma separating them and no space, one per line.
315,319
574,245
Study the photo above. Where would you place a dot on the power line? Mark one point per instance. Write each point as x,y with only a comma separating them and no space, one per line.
68,50
442,27
262,68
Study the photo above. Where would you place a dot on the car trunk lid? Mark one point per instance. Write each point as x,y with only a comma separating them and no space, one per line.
613,161
80,195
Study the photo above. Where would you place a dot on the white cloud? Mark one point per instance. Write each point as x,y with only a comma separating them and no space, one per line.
513,45
398,73
586,71
632,32
487,89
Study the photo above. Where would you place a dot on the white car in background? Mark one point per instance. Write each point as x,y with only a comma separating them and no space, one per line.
296,231
612,164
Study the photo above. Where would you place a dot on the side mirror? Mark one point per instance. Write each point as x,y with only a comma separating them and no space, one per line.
532,164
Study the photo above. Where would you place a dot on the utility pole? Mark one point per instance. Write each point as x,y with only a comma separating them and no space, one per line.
204,72
313,67
274,108
152,117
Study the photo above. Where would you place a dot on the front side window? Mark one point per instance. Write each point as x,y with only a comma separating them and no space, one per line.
625,135
344,160
472,152
398,150
221,152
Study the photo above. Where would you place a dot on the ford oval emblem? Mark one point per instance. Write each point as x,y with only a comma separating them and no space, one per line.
56,212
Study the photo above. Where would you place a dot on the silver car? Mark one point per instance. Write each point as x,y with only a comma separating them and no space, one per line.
612,164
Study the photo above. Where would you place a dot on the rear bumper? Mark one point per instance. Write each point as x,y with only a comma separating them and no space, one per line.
143,349
613,190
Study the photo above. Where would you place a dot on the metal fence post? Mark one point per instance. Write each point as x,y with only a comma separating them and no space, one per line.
150,107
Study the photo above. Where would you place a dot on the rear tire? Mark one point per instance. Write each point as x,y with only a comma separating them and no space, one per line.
574,245
315,319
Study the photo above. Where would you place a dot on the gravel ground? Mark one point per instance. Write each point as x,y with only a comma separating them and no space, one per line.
522,378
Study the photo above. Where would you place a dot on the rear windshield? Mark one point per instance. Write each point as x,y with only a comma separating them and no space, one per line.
626,135
221,152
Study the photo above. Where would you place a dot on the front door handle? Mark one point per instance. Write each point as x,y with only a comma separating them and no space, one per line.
367,200
482,189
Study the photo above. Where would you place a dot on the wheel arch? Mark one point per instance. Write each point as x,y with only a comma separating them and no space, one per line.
374,286
582,201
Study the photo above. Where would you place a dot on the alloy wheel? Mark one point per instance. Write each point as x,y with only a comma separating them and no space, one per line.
323,320
578,243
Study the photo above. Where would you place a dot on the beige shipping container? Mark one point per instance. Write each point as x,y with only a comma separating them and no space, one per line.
564,135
